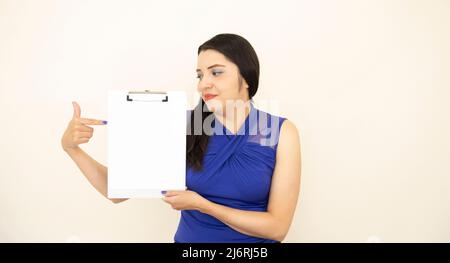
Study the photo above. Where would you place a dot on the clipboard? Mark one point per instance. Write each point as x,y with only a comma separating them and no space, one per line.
146,137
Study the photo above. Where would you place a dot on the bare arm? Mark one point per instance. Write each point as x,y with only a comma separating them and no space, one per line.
78,132
95,172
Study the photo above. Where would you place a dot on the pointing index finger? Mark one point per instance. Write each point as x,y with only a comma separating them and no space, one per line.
88,121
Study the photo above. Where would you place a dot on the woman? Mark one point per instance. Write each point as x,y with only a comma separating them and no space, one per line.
243,164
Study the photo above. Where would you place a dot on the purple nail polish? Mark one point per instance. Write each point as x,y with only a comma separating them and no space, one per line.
163,192
105,122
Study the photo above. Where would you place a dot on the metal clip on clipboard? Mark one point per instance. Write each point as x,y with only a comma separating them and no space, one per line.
147,96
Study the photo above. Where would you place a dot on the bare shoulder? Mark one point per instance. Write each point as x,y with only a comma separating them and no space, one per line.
289,133
289,142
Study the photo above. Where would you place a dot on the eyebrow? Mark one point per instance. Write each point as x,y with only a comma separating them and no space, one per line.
212,66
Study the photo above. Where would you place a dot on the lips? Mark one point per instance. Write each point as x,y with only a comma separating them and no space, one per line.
208,96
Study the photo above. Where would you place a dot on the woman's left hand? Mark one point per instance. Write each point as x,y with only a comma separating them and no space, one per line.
184,200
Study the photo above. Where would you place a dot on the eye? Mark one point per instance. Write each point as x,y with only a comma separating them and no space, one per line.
215,73
199,76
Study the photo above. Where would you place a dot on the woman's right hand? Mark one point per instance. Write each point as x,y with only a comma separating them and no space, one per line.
78,131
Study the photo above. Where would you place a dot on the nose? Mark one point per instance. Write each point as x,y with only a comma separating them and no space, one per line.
204,84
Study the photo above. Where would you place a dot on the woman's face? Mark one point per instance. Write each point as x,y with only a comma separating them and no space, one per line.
220,81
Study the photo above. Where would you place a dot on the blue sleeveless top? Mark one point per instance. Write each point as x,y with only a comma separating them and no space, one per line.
237,172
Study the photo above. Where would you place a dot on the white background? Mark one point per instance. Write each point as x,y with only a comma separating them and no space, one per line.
366,83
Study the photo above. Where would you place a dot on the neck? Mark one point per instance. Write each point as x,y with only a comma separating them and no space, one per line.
234,116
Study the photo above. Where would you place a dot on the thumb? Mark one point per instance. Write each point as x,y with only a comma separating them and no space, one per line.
76,110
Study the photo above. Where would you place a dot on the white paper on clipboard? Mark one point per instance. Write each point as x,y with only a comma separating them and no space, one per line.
146,143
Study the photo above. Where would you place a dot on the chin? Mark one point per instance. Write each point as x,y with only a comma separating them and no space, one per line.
214,105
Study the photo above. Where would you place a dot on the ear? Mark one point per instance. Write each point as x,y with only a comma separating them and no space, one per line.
245,83
242,82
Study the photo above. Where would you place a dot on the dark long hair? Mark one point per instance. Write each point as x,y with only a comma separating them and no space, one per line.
239,51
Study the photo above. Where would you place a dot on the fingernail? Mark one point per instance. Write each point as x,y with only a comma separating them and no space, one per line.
105,122
163,192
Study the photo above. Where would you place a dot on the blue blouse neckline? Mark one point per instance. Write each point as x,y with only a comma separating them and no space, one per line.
241,130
